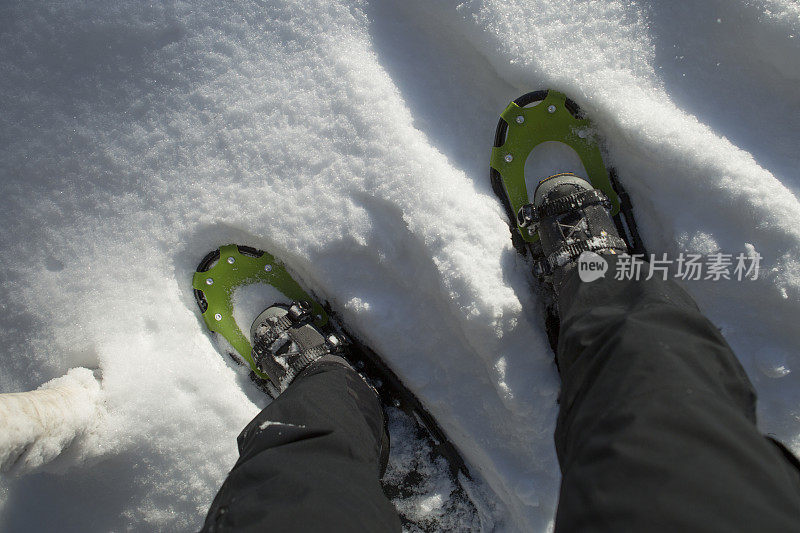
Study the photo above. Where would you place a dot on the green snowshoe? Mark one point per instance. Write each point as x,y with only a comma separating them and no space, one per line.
529,124
422,460
546,116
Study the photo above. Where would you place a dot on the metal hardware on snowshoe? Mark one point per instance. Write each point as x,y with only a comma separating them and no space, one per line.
299,310
334,343
286,343
529,215
269,330
571,252
526,216
564,239
574,201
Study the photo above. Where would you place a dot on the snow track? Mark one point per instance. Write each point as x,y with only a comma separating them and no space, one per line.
352,139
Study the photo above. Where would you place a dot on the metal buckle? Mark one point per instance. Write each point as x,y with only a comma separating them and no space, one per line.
334,343
299,310
526,216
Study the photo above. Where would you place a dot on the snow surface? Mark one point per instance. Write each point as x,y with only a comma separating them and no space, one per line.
352,139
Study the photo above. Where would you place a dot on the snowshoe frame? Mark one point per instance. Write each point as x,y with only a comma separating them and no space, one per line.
555,118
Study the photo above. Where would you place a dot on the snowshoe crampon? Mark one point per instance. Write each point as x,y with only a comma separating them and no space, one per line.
548,116
422,460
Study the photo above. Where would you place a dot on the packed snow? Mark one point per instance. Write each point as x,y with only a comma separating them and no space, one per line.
352,139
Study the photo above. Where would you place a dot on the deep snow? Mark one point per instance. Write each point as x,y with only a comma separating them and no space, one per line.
352,139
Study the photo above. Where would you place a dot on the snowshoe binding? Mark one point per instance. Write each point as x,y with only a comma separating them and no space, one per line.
571,217
286,342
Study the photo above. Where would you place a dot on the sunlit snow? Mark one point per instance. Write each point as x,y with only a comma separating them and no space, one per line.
352,139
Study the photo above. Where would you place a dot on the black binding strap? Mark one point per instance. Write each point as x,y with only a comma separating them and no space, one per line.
297,316
573,251
275,330
530,214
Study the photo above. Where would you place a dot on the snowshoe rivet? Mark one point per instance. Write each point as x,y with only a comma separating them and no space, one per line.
268,268
509,158
551,109
319,317
218,317
334,341
209,281
396,402
520,119
231,260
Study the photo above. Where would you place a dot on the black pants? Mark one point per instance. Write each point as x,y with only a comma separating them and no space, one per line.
656,433
656,430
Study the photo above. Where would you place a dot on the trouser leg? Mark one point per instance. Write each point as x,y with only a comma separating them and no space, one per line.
656,430
310,461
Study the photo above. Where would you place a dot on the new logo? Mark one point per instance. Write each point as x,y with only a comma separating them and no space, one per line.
591,266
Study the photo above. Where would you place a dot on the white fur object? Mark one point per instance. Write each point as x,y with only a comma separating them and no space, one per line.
36,426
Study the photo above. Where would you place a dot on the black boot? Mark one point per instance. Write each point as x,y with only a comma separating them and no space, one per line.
286,342
571,217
